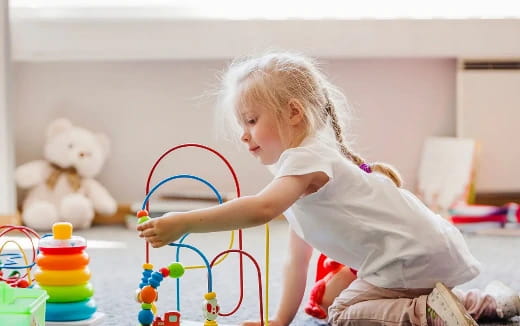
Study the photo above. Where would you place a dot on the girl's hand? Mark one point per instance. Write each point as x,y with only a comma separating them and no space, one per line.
257,323
162,230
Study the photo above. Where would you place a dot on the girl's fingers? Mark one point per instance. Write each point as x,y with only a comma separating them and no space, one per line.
144,226
156,243
148,233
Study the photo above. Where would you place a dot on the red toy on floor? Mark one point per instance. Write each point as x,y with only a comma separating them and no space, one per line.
467,214
326,268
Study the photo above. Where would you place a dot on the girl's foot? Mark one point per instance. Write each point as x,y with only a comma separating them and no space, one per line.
448,308
507,299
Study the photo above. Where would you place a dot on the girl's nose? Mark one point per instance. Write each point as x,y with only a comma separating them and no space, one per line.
245,137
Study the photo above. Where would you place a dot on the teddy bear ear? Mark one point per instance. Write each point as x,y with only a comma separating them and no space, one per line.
58,126
104,142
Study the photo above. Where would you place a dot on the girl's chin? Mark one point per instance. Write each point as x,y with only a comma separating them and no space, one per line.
265,161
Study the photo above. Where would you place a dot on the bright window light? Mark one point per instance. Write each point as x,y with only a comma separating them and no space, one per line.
270,9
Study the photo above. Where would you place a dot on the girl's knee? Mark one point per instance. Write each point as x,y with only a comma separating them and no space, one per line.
336,310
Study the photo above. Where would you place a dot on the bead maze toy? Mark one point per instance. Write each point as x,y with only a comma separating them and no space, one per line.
9,261
147,293
20,303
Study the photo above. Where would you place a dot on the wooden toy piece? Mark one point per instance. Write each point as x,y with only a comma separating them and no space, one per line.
171,318
210,308
148,294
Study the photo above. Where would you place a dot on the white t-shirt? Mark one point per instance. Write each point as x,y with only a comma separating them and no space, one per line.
364,221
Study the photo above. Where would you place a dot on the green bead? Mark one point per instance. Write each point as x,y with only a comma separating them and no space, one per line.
176,270
146,306
143,219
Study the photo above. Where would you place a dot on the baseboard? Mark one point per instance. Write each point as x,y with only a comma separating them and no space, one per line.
118,218
497,198
13,219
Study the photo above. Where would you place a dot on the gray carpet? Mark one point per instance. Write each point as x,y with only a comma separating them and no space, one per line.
116,272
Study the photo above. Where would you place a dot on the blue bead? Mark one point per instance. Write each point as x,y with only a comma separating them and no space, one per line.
145,316
157,276
146,276
155,284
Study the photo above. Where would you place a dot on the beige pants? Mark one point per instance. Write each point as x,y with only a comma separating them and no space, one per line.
365,304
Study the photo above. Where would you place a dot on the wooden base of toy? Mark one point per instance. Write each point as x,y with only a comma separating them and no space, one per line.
92,321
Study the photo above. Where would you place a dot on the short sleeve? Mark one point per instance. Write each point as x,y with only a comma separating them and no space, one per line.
301,161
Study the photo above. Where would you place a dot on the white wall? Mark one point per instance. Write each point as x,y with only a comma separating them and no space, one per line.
7,193
148,107
486,96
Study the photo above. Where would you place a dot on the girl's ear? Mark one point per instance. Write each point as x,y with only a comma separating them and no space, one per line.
295,112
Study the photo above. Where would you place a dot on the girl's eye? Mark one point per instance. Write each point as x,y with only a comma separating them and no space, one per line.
251,121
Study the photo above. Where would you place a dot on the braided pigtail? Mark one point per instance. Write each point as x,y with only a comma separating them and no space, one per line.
383,168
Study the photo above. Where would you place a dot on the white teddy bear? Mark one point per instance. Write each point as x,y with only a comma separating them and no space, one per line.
62,187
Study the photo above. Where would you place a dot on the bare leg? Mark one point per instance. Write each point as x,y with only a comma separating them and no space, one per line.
337,283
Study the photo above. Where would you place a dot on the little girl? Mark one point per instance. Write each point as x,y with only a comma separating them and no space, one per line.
354,212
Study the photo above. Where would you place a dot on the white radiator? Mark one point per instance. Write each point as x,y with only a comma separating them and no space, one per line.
488,110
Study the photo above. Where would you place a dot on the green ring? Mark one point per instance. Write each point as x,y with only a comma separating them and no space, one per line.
69,293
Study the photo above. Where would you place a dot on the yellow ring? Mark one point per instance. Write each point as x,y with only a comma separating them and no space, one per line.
71,277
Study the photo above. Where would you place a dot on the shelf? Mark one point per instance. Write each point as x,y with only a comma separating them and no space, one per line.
60,33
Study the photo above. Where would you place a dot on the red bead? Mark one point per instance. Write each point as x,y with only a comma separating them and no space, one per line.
165,271
23,283
142,213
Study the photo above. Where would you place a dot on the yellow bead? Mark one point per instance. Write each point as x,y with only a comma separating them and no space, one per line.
210,295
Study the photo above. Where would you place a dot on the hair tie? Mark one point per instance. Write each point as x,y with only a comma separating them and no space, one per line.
366,167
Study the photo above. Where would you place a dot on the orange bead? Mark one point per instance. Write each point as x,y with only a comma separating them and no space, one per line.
148,294
142,213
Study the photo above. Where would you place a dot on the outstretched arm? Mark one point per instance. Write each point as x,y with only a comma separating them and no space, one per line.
240,213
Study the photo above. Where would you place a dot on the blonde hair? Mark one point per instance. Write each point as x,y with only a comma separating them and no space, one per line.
274,79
